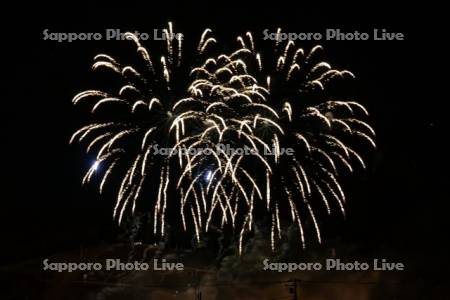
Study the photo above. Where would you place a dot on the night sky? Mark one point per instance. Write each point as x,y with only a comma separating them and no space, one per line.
398,208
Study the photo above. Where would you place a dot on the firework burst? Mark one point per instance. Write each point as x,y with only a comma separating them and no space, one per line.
296,111
259,101
151,108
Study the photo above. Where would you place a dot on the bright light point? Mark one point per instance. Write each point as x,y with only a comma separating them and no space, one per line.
208,175
95,165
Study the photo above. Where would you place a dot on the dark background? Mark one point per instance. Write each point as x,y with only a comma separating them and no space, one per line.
398,209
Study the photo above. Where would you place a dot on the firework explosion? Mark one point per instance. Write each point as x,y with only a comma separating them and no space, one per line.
246,99
296,111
